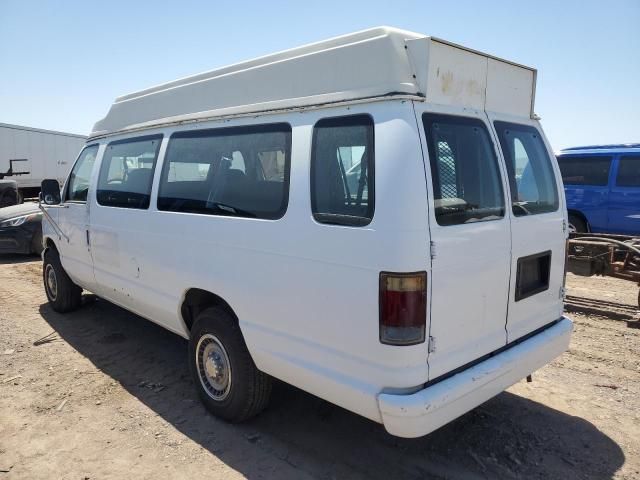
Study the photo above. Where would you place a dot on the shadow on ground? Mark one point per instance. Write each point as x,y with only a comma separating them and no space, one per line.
508,437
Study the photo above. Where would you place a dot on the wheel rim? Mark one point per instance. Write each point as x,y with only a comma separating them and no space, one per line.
572,228
214,368
51,282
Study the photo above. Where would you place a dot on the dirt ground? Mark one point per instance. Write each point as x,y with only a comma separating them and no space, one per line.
101,393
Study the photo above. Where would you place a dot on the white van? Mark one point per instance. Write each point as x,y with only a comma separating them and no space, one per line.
345,216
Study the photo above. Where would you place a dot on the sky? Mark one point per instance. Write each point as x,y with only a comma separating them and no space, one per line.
62,63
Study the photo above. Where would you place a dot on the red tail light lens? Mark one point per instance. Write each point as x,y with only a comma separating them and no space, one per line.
403,308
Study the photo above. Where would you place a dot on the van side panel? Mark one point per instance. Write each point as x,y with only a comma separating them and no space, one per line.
591,201
624,197
305,293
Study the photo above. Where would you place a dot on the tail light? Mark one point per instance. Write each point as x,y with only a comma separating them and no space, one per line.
403,308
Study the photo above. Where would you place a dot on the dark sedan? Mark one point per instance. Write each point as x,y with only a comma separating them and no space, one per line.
21,229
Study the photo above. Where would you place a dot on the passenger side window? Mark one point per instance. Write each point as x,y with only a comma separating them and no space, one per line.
342,171
126,172
531,177
592,170
465,176
79,179
628,172
225,172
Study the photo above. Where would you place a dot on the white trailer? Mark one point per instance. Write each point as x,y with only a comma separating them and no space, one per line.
41,153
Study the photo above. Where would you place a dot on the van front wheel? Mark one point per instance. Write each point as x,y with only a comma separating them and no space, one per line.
62,293
227,380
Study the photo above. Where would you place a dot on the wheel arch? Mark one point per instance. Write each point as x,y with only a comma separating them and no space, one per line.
195,300
581,216
48,243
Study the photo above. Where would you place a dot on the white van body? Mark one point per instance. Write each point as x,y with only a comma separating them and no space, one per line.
43,153
307,293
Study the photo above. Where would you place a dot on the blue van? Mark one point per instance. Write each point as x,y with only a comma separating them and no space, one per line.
602,186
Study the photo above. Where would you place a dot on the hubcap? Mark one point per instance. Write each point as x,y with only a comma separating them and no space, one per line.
213,366
51,282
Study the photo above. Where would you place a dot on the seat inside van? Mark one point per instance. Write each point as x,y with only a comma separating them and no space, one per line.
224,187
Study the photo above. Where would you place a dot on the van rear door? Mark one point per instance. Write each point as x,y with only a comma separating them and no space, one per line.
538,225
470,237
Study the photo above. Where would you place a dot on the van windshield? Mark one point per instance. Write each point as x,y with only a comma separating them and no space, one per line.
531,177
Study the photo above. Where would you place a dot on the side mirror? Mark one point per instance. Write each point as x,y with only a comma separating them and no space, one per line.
50,192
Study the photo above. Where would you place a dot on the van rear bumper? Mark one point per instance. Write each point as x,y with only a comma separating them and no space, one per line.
427,410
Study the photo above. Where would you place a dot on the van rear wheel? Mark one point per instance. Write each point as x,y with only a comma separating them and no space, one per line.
63,295
577,224
227,380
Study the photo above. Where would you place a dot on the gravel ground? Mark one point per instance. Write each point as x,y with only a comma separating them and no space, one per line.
101,393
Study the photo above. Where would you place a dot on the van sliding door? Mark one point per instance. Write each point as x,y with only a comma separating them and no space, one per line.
119,221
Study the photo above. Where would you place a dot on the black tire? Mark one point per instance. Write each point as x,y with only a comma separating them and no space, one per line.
247,390
63,295
579,225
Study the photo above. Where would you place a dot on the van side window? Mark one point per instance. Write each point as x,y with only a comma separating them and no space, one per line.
464,168
342,171
628,172
593,170
225,171
531,178
126,172
78,186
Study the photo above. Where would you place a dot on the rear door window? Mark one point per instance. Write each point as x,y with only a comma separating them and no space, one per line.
531,177
464,168
342,171
628,172
590,170
238,171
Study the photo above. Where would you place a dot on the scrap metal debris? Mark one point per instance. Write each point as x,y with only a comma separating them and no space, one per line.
51,337
10,379
62,404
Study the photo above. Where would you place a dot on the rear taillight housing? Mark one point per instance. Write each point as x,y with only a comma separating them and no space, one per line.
403,308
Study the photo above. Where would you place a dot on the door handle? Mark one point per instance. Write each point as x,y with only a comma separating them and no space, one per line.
88,238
